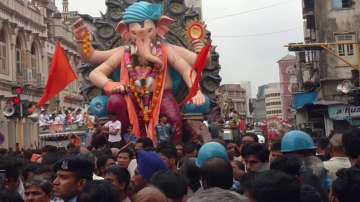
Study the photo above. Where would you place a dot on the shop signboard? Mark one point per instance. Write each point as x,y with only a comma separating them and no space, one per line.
344,112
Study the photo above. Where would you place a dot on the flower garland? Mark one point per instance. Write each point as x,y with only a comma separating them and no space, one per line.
145,100
86,45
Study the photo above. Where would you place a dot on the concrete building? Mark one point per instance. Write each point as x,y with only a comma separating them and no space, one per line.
288,85
247,86
323,66
28,33
235,96
273,106
259,105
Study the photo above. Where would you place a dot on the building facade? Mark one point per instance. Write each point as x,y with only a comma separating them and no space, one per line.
28,33
273,105
247,86
235,96
259,105
324,61
288,85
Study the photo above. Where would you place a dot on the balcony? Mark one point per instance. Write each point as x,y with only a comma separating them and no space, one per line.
25,10
62,31
54,134
61,128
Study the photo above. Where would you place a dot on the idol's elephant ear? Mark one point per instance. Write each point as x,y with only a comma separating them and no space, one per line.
163,25
123,29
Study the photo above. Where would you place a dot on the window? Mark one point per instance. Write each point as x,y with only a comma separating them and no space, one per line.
350,49
274,112
20,58
34,59
339,4
309,5
273,103
273,95
341,50
310,22
3,67
345,49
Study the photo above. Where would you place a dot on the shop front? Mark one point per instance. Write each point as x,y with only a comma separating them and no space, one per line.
344,117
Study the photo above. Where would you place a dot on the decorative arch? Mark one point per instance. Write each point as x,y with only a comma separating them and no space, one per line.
21,39
20,54
35,54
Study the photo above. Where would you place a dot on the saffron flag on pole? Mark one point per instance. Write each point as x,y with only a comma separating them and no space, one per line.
61,75
199,66
242,125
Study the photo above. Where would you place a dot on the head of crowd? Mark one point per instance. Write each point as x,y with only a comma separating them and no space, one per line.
296,168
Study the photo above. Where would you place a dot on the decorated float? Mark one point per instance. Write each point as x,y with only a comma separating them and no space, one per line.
146,59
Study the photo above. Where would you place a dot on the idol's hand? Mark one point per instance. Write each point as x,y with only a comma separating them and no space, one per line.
198,45
80,30
112,87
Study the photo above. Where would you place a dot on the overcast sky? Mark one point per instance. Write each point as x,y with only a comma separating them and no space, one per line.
250,43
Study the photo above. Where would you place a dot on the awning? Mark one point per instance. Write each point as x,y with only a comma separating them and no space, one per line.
302,99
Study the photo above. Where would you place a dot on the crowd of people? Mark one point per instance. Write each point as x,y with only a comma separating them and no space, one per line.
294,169
61,117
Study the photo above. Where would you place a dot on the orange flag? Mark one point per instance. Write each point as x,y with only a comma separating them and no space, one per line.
61,75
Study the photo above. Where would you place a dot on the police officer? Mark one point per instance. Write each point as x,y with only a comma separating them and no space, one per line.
300,144
72,174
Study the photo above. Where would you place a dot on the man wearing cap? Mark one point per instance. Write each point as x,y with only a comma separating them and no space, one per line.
148,163
301,145
215,167
72,174
338,157
216,171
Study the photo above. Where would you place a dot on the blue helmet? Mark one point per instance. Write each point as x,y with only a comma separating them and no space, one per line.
211,150
296,140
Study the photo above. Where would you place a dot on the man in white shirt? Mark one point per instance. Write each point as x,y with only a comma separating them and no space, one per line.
79,119
338,159
43,119
114,127
59,118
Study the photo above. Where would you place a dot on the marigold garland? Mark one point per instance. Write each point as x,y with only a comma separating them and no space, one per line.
140,94
86,45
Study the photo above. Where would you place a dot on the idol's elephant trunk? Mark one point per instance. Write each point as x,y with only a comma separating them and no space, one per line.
144,51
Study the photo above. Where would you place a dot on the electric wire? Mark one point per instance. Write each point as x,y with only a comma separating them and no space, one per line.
250,11
257,34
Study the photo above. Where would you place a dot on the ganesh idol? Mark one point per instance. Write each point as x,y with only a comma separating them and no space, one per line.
144,91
